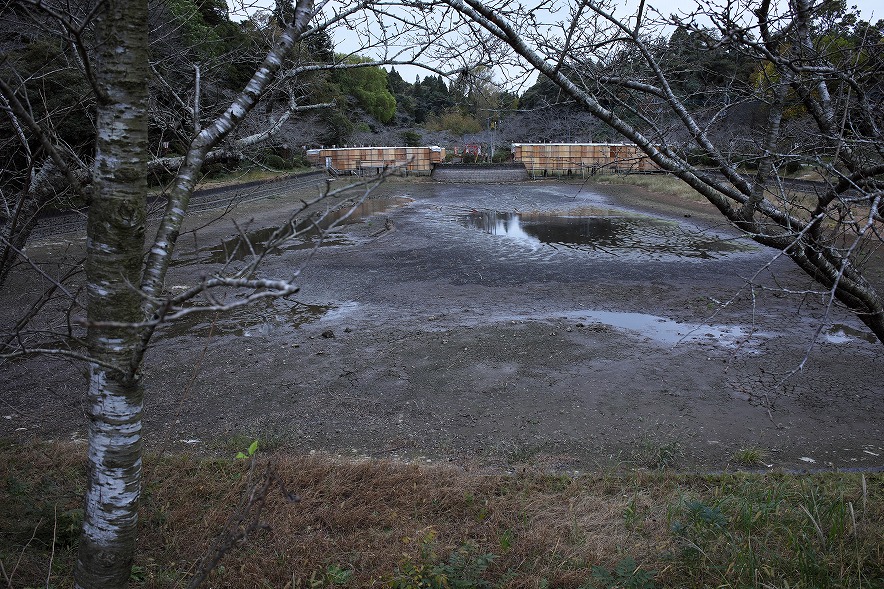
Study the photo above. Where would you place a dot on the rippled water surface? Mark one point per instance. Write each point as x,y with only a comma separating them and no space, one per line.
614,234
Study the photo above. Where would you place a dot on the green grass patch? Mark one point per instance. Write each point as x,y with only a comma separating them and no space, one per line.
383,524
749,457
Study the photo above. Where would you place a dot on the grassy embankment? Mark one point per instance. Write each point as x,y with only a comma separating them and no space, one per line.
656,183
248,175
382,524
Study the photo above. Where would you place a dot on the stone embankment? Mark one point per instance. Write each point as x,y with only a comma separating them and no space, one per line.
491,173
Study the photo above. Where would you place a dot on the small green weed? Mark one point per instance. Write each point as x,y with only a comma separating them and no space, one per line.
464,569
137,574
625,575
660,455
409,575
506,540
333,576
337,575
250,451
269,441
630,514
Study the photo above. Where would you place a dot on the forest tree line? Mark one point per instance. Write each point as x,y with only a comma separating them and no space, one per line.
373,104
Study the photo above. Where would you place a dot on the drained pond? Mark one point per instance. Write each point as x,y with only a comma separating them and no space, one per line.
321,228
562,326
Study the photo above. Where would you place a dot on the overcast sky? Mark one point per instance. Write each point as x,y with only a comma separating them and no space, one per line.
871,10
347,41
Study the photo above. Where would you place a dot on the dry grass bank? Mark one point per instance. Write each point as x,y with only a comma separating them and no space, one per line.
377,523
656,183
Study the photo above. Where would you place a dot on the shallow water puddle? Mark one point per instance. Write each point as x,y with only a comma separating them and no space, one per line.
666,331
307,234
613,233
844,334
658,329
248,321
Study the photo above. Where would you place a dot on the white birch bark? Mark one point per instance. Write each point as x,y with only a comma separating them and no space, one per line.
115,245
115,250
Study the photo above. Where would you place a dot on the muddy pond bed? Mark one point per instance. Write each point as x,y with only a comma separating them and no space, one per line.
546,324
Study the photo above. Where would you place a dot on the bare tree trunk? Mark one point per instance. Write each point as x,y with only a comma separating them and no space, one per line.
115,245
116,268
124,285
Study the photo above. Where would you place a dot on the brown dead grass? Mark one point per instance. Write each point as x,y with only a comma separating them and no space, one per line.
250,175
373,517
661,184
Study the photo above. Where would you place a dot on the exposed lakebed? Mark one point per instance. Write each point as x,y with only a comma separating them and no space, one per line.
315,229
562,326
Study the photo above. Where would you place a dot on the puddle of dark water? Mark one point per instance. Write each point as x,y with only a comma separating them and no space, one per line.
615,234
249,321
844,334
240,248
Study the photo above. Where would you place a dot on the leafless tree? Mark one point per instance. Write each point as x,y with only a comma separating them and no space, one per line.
110,322
817,90
185,96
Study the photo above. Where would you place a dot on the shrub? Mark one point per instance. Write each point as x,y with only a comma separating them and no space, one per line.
274,161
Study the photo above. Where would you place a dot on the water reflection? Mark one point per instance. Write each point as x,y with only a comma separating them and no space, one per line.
615,234
499,224
670,332
843,334
249,321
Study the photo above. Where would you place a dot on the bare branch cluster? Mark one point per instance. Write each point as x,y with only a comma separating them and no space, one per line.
808,97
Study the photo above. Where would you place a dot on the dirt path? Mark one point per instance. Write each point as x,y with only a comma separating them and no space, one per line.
446,328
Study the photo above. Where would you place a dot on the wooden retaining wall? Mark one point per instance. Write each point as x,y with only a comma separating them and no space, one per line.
581,158
372,160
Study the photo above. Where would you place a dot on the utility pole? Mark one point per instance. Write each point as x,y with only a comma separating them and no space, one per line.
491,125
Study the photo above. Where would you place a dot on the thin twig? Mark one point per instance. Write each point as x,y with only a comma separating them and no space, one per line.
181,401
23,550
54,535
36,267
5,576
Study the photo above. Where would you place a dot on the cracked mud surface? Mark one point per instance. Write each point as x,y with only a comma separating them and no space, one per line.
422,332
